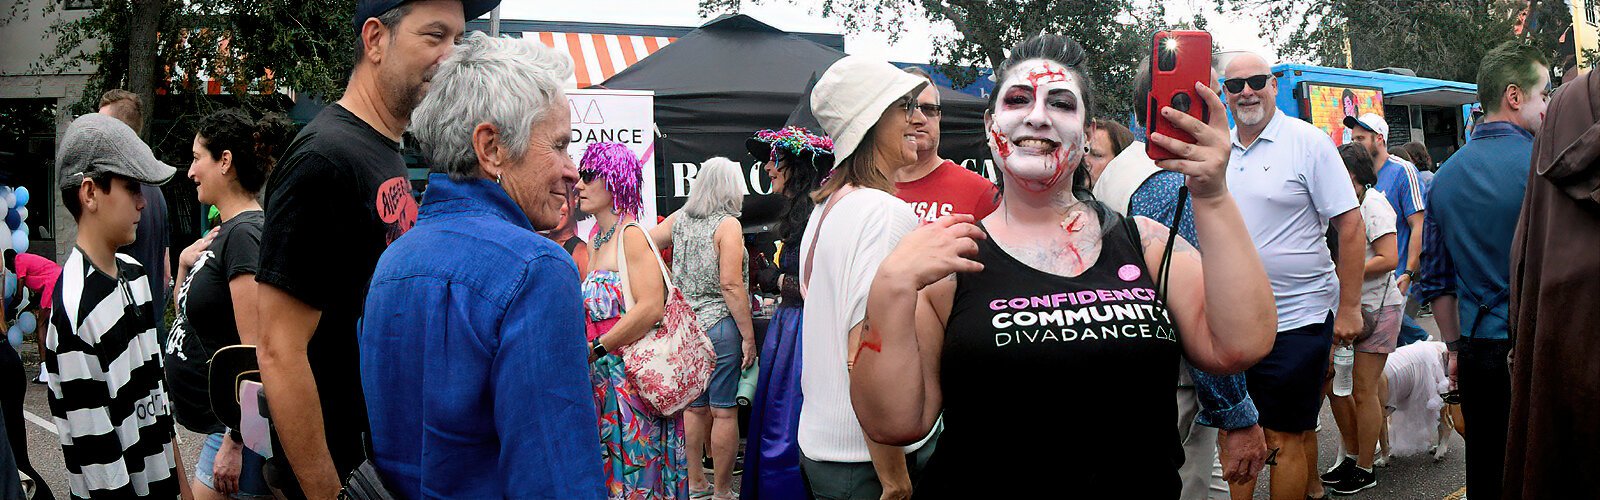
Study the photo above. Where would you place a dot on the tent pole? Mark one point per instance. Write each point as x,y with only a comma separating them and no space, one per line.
494,22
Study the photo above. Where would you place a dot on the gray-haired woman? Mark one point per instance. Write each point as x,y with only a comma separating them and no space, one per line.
710,266
472,340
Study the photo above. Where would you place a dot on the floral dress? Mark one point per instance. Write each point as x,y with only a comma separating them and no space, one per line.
643,454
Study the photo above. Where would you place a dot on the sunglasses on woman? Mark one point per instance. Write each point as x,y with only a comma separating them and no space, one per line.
1236,85
588,175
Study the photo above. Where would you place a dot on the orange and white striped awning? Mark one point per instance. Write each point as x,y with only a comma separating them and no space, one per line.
597,57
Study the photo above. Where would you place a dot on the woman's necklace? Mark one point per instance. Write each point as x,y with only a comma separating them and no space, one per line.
601,240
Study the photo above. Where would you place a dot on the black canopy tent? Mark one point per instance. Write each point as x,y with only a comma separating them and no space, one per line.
717,85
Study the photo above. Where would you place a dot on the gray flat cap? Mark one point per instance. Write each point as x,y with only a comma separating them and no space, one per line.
97,143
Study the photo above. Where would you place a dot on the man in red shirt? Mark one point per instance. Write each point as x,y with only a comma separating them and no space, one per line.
936,187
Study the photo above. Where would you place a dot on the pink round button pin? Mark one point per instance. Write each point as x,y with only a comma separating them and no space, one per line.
1128,272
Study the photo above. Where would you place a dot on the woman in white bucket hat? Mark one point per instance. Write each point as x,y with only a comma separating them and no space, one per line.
1056,302
869,109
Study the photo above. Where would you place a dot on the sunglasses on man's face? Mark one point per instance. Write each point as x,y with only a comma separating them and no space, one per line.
1236,85
928,110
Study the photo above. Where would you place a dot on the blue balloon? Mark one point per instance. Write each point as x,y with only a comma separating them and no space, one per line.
14,336
27,322
22,196
19,241
13,219
22,212
11,286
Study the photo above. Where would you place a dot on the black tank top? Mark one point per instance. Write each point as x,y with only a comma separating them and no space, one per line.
1058,387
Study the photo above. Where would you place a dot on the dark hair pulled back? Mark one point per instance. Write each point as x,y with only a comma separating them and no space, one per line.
1065,51
256,144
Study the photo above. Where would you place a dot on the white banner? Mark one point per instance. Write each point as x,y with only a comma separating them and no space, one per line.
625,116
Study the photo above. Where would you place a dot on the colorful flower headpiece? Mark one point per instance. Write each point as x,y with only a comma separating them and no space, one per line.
621,170
796,141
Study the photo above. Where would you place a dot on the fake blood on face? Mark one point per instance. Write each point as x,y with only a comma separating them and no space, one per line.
1002,144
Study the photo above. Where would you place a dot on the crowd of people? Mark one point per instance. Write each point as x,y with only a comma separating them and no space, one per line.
475,345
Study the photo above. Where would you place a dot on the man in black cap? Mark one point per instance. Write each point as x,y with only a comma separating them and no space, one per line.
106,390
334,203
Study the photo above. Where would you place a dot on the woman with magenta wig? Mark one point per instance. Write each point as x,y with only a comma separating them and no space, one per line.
624,295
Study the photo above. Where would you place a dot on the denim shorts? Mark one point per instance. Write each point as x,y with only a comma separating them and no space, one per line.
252,484
724,386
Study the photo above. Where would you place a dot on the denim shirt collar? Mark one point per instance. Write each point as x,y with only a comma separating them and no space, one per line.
446,196
1500,129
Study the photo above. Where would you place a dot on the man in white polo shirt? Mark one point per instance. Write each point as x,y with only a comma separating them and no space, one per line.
1290,185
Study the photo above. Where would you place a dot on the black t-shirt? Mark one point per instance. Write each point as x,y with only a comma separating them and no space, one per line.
150,249
334,203
205,321
1047,377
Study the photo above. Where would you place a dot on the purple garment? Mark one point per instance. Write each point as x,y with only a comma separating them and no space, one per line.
772,457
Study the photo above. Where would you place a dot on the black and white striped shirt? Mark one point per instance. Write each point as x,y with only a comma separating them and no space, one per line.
105,379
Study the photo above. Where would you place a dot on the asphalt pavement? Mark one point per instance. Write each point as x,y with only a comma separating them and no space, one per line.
1416,477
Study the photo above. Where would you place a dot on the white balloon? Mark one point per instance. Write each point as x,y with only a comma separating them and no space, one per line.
22,213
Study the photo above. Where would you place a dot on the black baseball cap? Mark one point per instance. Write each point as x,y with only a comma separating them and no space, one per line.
366,9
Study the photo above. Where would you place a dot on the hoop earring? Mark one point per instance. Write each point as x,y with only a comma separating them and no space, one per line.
497,178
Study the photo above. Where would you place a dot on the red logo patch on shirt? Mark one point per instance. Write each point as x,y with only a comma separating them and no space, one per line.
397,208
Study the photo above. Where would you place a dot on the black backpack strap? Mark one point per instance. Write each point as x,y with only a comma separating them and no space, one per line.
1172,239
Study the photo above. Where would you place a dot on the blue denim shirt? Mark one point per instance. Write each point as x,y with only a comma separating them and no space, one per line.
473,357
1471,219
1224,400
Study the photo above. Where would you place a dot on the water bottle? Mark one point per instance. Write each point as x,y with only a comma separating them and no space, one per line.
1344,359
747,384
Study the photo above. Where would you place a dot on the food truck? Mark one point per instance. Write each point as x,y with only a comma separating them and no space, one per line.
1434,112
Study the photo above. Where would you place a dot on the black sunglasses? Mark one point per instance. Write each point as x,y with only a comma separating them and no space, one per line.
1236,85
588,175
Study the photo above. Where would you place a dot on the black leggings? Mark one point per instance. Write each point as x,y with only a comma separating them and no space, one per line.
13,384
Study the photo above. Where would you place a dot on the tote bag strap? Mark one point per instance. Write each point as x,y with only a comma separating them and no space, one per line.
622,265
805,272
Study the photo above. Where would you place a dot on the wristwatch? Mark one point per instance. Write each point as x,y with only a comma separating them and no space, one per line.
597,349
1409,273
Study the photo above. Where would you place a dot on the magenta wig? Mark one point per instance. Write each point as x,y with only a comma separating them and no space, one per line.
621,170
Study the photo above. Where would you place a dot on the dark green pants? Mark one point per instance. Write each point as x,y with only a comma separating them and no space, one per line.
857,480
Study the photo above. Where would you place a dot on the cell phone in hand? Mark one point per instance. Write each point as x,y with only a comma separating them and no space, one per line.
1178,59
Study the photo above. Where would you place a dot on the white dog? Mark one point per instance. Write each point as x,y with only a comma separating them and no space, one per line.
1418,419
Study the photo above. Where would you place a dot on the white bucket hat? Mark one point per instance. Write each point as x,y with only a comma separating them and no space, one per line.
852,95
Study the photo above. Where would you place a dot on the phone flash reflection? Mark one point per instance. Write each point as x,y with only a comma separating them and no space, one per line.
1170,44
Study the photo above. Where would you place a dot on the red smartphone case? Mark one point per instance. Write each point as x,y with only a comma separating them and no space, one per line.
1178,59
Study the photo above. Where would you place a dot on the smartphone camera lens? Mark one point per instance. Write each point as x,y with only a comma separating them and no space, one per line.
1167,58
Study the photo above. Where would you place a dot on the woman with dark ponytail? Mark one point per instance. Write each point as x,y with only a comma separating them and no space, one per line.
795,159
216,295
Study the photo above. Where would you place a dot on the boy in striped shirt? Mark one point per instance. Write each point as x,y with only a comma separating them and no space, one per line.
106,389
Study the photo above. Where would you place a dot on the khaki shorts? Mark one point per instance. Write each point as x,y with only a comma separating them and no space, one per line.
1380,330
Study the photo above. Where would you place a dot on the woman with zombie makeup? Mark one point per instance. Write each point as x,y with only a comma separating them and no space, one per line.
795,160
644,455
869,108
1056,298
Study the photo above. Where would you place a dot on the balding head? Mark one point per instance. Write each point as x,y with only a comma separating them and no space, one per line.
1244,64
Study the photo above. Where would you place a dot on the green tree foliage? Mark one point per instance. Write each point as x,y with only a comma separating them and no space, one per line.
1436,38
1116,33
251,47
